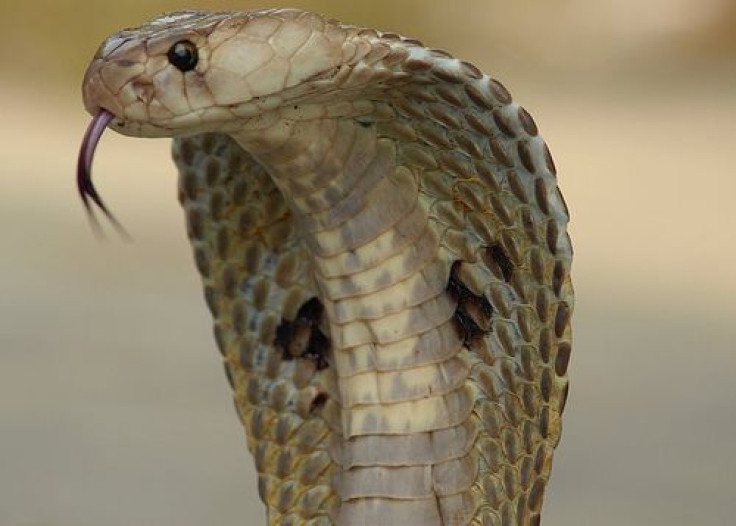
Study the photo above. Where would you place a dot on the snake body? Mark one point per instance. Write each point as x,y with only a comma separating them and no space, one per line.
383,249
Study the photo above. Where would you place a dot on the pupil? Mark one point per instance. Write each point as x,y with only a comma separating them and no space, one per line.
183,55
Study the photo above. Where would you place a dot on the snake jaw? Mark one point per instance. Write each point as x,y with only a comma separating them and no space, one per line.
87,191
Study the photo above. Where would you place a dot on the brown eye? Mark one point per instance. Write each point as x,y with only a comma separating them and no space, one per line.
183,55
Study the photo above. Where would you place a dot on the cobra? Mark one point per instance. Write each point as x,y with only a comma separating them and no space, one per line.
383,248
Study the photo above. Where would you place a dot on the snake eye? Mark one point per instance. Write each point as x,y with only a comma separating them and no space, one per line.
183,55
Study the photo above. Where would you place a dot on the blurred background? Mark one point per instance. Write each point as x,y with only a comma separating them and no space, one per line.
114,409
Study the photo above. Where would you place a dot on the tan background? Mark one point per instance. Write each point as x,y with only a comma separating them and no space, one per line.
113,406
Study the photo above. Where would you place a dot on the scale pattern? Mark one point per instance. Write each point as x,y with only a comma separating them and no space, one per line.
254,272
390,286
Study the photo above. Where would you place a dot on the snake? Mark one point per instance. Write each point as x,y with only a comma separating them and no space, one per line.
383,248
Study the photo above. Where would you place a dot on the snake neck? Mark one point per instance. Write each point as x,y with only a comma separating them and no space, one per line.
381,273
366,224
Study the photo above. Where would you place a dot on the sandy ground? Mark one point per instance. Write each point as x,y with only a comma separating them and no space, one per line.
113,406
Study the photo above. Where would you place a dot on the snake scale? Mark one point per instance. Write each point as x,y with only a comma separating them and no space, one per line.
383,248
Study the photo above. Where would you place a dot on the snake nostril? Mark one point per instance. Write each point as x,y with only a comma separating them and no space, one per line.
144,91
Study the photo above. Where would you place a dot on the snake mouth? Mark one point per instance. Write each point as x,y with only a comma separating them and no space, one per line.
87,191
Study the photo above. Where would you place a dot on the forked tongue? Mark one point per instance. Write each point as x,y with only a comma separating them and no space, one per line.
87,190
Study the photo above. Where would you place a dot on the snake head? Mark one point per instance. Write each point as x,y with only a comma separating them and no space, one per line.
190,72
195,71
